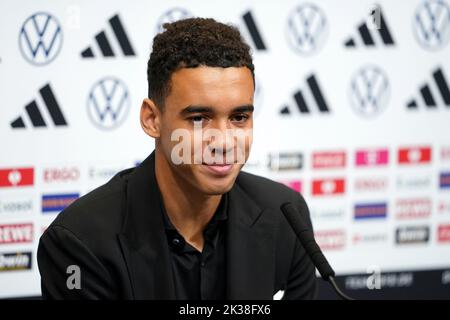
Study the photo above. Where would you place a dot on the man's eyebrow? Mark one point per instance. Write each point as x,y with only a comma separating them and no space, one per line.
196,109
246,108
206,109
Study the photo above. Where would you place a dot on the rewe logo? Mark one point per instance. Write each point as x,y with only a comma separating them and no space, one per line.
16,233
104,43
16,177
413,208
37,116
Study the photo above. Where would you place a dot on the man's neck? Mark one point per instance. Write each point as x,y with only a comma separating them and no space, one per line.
188,210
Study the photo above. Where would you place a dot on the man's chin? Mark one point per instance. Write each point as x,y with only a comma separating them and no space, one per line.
215,190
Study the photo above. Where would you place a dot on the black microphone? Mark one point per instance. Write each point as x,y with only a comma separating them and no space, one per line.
306,238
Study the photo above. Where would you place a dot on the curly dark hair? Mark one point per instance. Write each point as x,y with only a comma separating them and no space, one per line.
190,43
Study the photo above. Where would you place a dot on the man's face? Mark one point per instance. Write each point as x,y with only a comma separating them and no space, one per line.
208,103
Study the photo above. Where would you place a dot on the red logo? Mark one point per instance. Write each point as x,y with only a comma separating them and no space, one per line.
323,160
330,239
295,185
61,174
16,177
413,155
413,208
328,186
16,233
371,157
444,233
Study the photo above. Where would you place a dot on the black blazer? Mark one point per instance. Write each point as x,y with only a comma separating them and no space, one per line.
115,235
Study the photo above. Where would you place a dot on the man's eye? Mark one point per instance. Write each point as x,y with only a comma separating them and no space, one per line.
240,118
197,119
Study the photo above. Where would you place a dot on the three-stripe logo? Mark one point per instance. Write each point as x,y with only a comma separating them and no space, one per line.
429,93
254,32
104,44
36,116
301,98
367,36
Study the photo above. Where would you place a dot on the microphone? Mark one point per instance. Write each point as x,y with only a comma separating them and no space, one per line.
306,238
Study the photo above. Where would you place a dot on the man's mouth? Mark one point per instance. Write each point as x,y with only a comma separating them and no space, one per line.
219,169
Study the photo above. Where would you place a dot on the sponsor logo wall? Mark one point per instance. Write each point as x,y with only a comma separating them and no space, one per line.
352,110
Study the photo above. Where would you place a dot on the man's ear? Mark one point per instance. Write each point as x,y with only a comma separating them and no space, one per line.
150,118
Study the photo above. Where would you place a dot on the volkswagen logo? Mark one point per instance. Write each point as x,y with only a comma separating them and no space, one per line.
40,38
108,103
369,91
431,24
172,15
307,29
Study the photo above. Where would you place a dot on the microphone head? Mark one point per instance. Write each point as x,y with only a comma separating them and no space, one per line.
293,217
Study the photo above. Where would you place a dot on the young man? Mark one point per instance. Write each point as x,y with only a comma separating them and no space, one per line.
186,223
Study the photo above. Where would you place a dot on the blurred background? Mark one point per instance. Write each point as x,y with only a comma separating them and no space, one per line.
352,110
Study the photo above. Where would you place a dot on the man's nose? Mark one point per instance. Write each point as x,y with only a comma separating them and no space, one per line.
221,138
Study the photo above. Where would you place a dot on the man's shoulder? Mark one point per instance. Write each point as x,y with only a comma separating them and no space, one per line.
100,209
266,192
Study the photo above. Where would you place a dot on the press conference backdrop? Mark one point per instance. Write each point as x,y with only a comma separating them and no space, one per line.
352,110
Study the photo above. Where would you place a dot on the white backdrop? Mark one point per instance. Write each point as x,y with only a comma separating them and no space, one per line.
391,214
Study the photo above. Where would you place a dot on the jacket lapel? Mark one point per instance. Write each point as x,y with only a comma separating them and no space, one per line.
143,240
250,249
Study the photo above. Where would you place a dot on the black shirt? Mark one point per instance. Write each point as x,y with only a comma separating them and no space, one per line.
200,275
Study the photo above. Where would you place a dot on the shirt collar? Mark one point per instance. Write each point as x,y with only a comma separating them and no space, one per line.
176,240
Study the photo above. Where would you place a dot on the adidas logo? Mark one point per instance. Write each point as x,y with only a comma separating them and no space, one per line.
105,45
35,115
302,100
367,33
253,31
429,92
